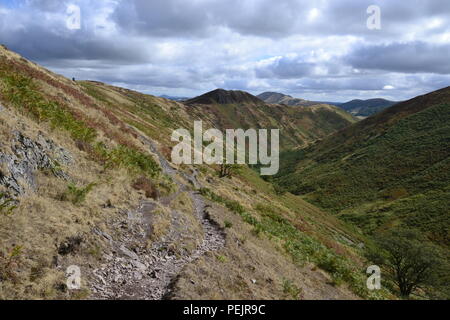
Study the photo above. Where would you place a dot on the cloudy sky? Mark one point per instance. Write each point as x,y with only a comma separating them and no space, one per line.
315,49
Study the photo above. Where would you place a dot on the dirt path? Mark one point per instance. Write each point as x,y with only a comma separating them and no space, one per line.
133,271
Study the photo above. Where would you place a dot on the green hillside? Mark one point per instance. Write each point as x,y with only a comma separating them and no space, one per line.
366,108
389,172
390,169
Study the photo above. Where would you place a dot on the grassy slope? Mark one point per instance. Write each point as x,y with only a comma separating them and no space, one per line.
390,169
366,108
299,126
278,239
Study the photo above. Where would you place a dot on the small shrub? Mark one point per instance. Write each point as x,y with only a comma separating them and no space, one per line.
222,258
9,263
279,190
291,290
133,160
6,205
77,195
228,224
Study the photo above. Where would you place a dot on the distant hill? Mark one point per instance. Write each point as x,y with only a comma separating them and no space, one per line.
279,98
299,126
222,96
389,169
173,98
365,108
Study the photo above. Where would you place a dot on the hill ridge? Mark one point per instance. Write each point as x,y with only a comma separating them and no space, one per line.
222,96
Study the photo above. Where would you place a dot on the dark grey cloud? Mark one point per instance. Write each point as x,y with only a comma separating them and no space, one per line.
48,5
286,68
203,18
46,46
266,18
408,57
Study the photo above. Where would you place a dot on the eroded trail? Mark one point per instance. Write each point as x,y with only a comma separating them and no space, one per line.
133,271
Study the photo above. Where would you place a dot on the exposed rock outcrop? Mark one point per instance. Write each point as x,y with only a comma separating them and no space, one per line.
17,169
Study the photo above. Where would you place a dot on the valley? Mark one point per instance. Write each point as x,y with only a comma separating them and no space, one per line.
138,226
96,188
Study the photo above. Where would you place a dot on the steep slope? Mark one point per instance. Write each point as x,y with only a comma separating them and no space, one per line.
389,169
85,180
365,108
299,126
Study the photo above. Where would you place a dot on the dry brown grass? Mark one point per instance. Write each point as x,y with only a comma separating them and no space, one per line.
245,258
42,222
147,186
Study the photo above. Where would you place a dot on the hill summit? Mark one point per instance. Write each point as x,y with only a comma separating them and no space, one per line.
221,96
280,98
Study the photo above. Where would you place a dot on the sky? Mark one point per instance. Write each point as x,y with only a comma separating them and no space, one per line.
320,50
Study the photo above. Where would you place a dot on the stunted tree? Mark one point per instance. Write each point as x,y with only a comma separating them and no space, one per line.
227,170
413,262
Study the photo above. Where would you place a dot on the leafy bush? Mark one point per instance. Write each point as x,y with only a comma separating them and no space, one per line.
412,261
77,195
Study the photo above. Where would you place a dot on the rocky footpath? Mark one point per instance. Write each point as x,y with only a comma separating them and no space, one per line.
133,271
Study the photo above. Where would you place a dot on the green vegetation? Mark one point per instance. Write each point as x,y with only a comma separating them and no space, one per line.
411,260
6,205
398,175
222,259
135,161
24,94
389,171
291,290
301,247
75,194
9,263
228,224
140,105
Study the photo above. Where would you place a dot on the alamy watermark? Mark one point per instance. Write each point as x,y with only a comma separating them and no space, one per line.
374,20
73,274
73,21
236,146
374,280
